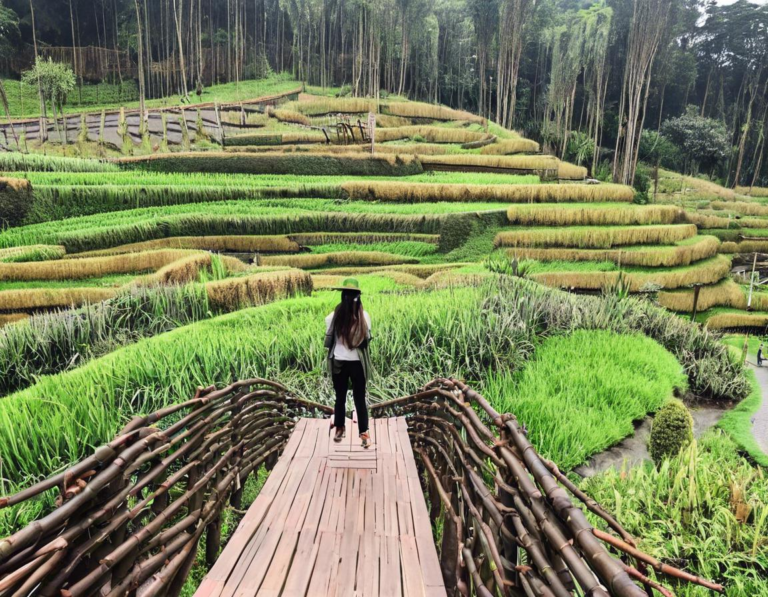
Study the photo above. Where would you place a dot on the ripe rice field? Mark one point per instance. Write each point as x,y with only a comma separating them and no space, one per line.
132,281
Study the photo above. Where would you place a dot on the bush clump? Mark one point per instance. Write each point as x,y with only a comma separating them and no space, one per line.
15,199
672,430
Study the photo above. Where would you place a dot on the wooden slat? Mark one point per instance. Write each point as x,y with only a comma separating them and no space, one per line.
335,520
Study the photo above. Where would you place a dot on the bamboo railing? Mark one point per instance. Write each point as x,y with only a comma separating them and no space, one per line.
129,518
530,509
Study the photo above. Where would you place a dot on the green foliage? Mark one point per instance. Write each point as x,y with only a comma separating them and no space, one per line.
672,431
714,505
738,420
598,382
703,142
55,80
15,202
10,36
20,162
642,185
658,149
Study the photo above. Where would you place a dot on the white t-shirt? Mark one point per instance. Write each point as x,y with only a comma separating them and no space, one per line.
340,351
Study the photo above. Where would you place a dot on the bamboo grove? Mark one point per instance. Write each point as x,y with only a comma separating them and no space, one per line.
565,73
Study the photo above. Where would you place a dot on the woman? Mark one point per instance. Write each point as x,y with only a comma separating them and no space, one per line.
347,333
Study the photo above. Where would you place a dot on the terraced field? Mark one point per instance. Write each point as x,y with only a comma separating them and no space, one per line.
126,283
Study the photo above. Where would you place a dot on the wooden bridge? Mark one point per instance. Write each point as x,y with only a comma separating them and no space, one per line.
331,519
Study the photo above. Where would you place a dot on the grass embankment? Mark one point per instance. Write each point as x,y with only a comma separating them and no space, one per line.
714,505
725,294
54,342
738,422
460,332
681,253
273,217
599,382
596,214
595,237
709,271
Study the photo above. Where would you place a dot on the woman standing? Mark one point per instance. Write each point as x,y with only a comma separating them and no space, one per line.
347,334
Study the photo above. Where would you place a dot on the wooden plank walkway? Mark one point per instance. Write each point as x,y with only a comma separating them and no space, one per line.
336,520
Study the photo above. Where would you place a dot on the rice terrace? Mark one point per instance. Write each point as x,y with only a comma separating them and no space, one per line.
402,298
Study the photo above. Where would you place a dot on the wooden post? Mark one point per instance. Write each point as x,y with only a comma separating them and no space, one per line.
752,282
696,290
218,122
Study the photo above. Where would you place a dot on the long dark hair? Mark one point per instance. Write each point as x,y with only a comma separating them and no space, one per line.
349,324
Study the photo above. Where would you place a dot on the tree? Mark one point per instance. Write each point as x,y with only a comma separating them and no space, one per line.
56,81
703,142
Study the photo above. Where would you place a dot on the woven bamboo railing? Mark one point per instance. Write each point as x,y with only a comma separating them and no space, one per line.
130,517
532,508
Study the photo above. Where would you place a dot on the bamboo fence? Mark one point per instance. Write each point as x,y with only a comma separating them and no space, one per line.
129,518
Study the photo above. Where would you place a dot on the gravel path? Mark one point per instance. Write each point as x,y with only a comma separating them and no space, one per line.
760,418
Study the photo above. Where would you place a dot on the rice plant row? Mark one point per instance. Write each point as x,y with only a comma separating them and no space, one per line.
680,254
709,271
23,162
596,214
725,294
587,237
342,258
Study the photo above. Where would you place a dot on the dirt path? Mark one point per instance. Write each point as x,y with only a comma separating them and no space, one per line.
760,418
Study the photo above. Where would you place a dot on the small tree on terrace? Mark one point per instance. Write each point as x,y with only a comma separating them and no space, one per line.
56,81
703,142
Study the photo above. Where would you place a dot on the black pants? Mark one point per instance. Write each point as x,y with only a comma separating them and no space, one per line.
343,371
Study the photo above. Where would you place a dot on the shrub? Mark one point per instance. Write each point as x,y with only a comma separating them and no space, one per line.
672,430
15,200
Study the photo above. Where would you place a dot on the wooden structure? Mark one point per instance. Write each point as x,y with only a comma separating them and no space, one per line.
335,519
330,520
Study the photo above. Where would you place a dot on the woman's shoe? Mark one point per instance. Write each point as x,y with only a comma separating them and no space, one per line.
341,433
366,439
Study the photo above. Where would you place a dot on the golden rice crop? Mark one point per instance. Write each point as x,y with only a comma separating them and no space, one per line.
188,269
725,294
414,148
706,272
316,260
673,256
567,171
452,279
359,238
420,270
707,222
91,267
742,207
322,281
595,238
722,321
314,148
408,192
334,105
288,116
753,191
12,318
232,244
36,299
508,162
429,111
745,246
510,146
592,215
257,289
389,121
19,254
432,134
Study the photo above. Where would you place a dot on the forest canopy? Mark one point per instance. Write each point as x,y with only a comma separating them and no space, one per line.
589,80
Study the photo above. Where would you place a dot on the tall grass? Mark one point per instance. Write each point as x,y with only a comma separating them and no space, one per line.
566,171
232,244
21,162
595,238
430,134
31,253
513,162
748,209
715,507
683,253
598,214
90,267
42,299
257,289
410,192
274,138
734,320
342,258
290,116
725,294
463,332
510,146
369,238
428,111
709,271
752,191
599,382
